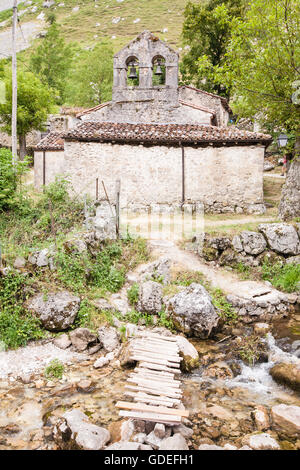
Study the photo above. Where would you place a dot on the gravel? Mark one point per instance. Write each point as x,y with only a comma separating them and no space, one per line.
34,358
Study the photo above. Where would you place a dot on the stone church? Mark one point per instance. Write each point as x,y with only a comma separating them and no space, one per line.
167,144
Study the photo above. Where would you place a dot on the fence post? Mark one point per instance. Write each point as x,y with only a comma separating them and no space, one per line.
118,189
85,213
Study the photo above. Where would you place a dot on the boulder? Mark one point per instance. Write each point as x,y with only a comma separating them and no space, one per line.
81,338
228,257
261,441
237,243
150,297
160,430
253,243
75,432
176,442
76,245
19,262
158,271
261,328
293,260
56,310
286,419
287,374
193,313
189,354
101,362
218,370
108,337
261,418
42,258
62,341
282,238
183,430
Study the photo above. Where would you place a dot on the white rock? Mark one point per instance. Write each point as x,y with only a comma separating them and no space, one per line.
101,362
261,441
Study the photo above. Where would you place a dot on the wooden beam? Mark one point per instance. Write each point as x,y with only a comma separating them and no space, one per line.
158,418
153,409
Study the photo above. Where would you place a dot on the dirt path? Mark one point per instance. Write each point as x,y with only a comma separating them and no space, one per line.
229,282
241,221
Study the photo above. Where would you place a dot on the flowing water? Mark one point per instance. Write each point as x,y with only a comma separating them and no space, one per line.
220,408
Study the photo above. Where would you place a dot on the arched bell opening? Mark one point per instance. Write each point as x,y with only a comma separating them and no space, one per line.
133,72
158,71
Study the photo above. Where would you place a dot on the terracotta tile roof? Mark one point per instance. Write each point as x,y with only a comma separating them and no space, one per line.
223,100
91,110
162,134
197,106
52,141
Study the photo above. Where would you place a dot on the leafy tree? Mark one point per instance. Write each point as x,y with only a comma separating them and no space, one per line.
262,69
52,59
262,64
206,31
90,82
35,102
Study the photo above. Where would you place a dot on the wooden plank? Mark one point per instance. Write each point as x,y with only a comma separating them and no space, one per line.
159,418
145,398
125,405
148,365
144,375
162,362
159,393
159,337
153,372
154,383
164,400
169,357
157,347
154,378
154,343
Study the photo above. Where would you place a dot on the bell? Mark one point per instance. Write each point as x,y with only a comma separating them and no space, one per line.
133,74
158,70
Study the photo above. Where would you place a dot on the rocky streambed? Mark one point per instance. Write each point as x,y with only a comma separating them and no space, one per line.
232,404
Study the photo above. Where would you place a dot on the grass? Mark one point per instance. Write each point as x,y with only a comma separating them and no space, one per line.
54,370
272,190
285,278
154,15
17,326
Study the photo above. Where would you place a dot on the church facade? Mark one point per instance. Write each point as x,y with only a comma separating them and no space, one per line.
167,144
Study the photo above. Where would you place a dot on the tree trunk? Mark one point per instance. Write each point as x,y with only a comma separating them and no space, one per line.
289,206
22,144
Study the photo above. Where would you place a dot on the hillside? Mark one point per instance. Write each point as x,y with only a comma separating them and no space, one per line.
87,21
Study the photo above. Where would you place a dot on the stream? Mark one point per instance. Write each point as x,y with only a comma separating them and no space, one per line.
220,408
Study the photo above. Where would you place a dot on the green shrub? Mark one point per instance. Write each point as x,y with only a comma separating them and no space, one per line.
54,370
133,294
10,173
17,326
226,311
285,277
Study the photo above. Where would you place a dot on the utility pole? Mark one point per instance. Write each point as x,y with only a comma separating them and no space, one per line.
14,84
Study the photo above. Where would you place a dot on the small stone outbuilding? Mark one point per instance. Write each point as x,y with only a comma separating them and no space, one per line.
167,144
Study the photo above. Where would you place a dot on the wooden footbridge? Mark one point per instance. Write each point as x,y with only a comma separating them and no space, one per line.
153,386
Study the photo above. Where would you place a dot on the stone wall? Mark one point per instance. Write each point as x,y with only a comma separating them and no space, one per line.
228,178
201,98
148,111
54,165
